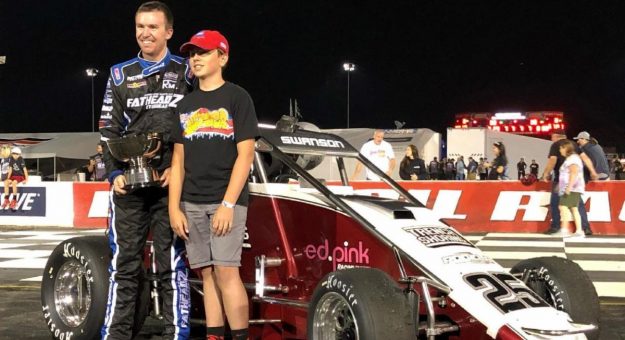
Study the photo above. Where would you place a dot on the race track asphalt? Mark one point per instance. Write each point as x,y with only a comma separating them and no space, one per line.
21,316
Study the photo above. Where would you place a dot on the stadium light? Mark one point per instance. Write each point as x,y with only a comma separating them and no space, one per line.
349,68
92,73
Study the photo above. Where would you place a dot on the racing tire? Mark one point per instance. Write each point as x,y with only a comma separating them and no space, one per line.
359,304
74,289
565,286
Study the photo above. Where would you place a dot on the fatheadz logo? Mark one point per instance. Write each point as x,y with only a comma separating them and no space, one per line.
31,201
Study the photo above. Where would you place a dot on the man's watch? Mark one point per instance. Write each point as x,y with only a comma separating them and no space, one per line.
227,204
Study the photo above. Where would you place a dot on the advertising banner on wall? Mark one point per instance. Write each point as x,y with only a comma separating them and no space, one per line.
507,206
470,206
41,204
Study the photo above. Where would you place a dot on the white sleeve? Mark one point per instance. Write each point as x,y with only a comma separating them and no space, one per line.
364,148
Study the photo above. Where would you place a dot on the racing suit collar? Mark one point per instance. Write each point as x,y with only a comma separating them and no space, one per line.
151,67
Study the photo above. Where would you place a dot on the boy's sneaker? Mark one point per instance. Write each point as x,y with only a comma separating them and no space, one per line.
6,203
588,232
13,204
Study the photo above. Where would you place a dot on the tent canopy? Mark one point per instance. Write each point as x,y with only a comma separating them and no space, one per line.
74,145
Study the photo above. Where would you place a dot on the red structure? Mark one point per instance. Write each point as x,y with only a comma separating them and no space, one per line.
534,123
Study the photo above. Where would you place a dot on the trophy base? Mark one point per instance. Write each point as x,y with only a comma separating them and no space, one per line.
135,186
140,178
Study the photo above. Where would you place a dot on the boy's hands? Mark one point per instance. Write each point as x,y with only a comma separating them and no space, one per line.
178,223
222,220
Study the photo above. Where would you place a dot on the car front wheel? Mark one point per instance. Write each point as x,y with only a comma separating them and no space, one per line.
564,285
361,303
74,289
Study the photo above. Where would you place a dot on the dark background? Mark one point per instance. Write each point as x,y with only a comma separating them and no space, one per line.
417,61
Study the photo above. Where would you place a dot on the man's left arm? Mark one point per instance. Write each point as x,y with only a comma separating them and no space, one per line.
589,165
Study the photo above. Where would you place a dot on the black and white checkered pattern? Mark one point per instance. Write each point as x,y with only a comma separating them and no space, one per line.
24,253
602,257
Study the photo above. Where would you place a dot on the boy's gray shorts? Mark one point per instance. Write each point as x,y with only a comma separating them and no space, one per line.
204,248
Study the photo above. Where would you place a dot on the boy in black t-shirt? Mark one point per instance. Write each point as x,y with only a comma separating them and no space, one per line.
17,174
214,137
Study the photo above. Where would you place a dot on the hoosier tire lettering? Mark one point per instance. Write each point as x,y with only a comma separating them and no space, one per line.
84,261
368,302
562,283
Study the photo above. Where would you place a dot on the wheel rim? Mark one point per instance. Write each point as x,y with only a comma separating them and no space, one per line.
72,293
334,319
541,288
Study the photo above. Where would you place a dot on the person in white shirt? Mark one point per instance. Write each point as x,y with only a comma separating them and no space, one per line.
380,153
571,187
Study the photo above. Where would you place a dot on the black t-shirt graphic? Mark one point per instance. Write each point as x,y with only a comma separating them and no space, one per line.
17,166
209,125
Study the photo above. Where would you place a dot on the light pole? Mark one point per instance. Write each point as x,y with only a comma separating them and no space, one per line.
349,68
92,73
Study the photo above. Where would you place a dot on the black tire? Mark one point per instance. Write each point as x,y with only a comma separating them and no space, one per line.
565,286
89,256
373,306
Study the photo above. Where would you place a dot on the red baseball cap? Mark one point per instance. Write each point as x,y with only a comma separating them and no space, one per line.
206,40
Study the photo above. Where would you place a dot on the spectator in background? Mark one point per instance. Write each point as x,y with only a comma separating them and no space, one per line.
482,169
521,166
96,169
472,169
380,153
571,187
612,166
442,175
534,168
554,162
18,173
412,167
450,168
594,151
498,170
434,168
5,158
618,170
460,166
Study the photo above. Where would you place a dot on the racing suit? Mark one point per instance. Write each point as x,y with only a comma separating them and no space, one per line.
138,100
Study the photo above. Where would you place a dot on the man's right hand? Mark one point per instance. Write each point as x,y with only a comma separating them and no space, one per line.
178,223
118,185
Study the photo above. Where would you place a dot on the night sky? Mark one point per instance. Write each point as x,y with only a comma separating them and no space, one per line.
417,61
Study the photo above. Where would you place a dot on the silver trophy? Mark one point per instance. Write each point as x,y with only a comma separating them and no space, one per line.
137,150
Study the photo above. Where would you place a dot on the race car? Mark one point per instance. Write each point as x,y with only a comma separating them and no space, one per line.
325,261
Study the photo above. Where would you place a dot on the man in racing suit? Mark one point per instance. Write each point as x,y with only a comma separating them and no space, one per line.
138,100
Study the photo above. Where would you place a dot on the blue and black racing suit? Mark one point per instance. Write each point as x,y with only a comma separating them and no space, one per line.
138,100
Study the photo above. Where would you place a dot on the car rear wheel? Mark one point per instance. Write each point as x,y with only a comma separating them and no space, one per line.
564,285
74,289
361,304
